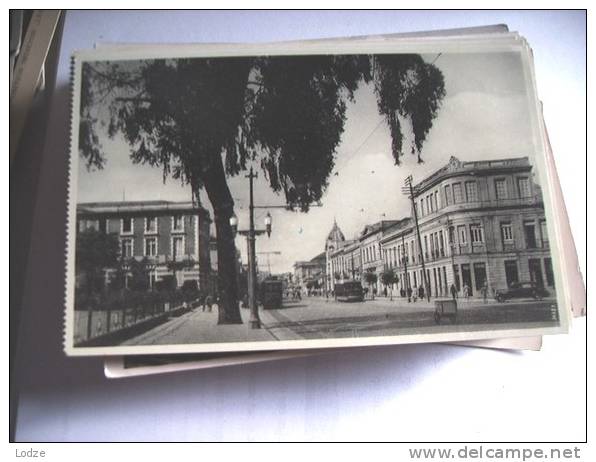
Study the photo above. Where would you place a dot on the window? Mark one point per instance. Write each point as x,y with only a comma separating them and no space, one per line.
529,230
523,185
84,225
127,248
422,207
550,276
436,200
506,233
151,247
429,204
178,223
501,189
441,244
471,191
150,224
544,233
448,196
476,234
126,225
457,193
511,273
177,246
461,231
425,246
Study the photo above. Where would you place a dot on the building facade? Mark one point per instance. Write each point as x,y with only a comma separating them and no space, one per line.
335,241
310,274
172,236
479,223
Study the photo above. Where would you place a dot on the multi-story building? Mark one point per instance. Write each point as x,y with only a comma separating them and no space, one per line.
312,272
480,222
163,232
370,246
351,259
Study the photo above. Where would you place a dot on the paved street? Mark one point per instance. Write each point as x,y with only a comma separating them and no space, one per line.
318,318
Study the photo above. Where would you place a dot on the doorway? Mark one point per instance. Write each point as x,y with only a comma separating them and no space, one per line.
466,276
511,273
536,271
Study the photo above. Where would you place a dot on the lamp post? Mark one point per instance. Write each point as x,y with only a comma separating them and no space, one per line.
251,234
125,265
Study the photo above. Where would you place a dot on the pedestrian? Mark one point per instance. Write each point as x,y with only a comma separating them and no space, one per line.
385,291
208,303
466,292
484,292
453,290
421,292
409,291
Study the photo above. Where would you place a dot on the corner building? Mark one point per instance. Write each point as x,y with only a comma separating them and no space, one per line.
480,222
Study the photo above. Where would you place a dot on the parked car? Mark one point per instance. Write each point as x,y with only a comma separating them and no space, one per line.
521,290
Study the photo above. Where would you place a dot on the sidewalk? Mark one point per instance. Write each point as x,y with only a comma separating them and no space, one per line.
462,303
197,326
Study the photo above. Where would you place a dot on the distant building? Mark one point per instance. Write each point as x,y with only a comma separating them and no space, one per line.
310,273
163,232
335,240
351,259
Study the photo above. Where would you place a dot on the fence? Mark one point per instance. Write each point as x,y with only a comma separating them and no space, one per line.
124,315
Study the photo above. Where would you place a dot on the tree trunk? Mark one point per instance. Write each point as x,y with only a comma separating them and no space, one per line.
221,199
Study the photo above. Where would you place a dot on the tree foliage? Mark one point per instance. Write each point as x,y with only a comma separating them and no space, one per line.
408,88
389,277
370,277
288,113
95,251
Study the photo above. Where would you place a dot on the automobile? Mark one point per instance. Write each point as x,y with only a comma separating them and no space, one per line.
521,290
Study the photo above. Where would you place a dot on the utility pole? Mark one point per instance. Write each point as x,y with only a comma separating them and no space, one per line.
409,190
251,233
405,261
254,321
274,252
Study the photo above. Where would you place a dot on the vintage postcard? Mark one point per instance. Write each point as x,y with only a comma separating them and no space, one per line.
248,197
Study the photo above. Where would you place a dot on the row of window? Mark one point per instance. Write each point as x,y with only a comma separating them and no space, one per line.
150,246
150,226
435,247
467,191
127,224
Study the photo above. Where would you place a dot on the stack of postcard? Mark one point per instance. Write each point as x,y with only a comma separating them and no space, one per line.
234,203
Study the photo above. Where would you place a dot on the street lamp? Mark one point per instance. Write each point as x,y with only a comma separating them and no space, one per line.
268,224
234,223
251,233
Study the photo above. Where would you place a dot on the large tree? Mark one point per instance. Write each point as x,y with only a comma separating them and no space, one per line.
203,119
95,252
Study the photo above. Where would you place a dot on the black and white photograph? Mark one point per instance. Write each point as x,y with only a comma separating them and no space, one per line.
247,201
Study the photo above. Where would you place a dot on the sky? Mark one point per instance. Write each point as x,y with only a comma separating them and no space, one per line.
484,115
